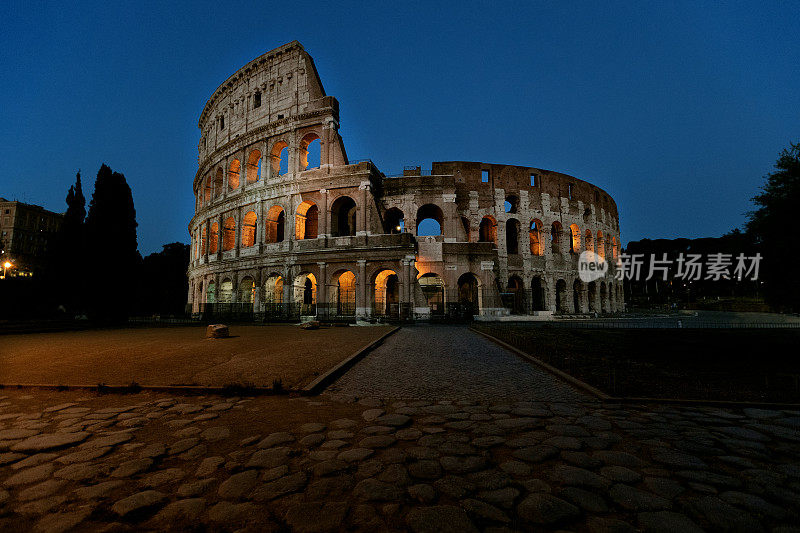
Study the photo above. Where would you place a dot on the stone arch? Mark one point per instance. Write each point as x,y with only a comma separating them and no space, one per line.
515,289
249,229
433,289
311,141
487,231
512,236
247,290
601,244
430,212
233,174
588,242
273,289
343,217
254,166
213,238
469,296
511,204
386,294
538,294
575,239
555,237
614,248
275,228
203,244
394,221
343,292
217,186
279,158
561,296
577,294
211,292
535,235
306,221
305,293
226,291
591,293
229,234
208,189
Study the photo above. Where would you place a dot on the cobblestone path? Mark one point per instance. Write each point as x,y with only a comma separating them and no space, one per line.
78,461
449,363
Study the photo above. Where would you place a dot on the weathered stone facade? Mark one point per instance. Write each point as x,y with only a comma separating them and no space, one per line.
276,231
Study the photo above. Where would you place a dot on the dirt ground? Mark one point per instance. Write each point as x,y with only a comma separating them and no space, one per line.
254,355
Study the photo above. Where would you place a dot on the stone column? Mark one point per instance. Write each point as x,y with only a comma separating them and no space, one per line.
238,226
322,288
361,298
410,281
207,224
324,216
220,233
451,219
405,286
261,226
363,212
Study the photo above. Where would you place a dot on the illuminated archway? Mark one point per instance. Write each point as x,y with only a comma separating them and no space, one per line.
279,158
310,151
432,287
387,294
229,234
247,290
213,239
306,221
254,166
273,289
275,225
487,231
233,174
430,220
535,235
226,291
575,239
249,229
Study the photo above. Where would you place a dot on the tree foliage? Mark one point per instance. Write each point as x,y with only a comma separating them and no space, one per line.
111,252
772,225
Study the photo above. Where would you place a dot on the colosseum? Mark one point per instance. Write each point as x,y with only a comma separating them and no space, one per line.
287,227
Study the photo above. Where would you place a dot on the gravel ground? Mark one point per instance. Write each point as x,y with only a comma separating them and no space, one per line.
452,363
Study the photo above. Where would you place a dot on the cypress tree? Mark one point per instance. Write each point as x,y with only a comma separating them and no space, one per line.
111,251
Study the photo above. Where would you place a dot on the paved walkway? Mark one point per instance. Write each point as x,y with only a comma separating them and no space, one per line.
449,363
77,461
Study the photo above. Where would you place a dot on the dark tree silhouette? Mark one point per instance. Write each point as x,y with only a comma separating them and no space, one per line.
67,263
164,284
772,224
111,259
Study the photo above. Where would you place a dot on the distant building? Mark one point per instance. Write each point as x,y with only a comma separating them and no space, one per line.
26,233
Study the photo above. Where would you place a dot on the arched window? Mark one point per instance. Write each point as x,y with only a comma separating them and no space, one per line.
247,290
203,241
429,220
575,239
254,166
218,183
273,290
487,232
229,234
208,189
310,152
588,241
279,158
614,248
387,294
233,174
535,235
394,221
511,204
276,222
213,239
226,292
346,294
555,238
432,287
468,294
306,221
601,244
249,229
512,236
343,217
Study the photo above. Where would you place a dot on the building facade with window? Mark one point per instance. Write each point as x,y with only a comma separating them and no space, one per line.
26,233
285,224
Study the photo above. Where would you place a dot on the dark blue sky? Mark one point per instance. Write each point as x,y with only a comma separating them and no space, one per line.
677,109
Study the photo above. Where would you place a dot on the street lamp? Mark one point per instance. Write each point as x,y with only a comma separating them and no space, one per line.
6,266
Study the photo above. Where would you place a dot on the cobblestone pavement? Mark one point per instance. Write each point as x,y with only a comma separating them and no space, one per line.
449,363
147,461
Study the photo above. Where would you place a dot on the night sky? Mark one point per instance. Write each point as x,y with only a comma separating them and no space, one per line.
677,109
